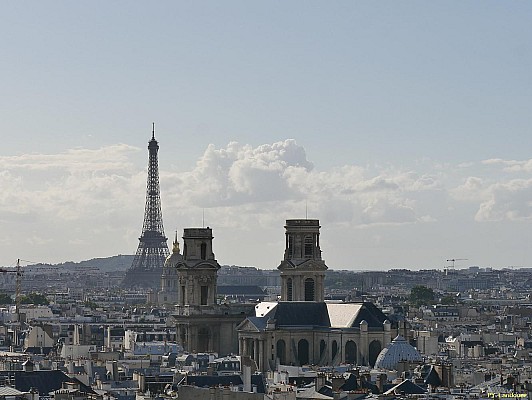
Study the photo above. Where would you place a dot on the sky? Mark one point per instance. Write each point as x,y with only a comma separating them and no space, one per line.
404,127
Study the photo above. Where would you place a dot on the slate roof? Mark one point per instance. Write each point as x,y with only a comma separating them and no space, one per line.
350,383
406,387
301,313
326,390
45,381
371,314
366,384
224,380
313,314
259,322
38,350
432,377
100,371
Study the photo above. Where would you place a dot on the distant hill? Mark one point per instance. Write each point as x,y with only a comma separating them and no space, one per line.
105,264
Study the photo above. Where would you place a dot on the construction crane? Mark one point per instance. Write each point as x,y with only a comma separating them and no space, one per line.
456,259
18,281
453,260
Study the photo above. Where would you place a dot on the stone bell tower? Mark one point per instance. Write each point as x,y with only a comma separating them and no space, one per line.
202,324
302,269
197,271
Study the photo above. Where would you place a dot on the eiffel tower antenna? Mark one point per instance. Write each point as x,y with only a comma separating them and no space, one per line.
146,269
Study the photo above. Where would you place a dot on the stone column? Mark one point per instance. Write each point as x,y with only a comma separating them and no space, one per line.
387,334
363,343
256,351
261,355
244,347
191,343
300,288
318,288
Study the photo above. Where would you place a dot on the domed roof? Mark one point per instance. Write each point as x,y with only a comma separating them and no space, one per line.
175,256
398,350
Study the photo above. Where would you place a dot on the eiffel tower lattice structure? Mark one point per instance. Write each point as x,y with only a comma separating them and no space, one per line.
147,266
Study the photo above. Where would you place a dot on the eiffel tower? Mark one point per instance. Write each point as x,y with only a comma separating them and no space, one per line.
147,266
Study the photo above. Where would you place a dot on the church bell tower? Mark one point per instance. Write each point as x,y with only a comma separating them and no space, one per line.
198,269
302,269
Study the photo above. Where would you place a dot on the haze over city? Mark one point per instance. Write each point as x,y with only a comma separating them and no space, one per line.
403,128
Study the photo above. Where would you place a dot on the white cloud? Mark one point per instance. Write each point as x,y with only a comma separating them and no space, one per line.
239,174
110,158
75,185
386,212
91,201
499,194
511,165
249,183
507,201
473,189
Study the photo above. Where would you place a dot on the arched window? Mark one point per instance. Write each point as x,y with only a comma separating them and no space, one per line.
334,350
183,292
302,352
203,251
281,351
308,247
309,289
375,348
322,348
204,295
350,352
289,292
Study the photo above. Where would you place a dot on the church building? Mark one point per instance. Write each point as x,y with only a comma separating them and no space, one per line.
189,281
169,281
304,329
